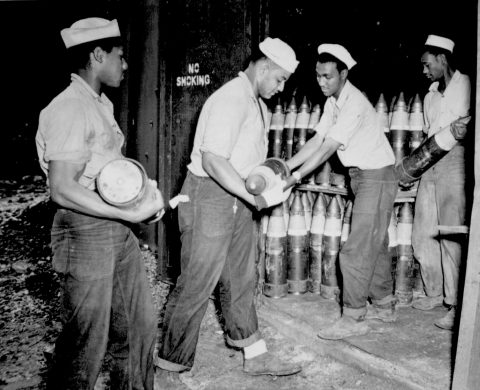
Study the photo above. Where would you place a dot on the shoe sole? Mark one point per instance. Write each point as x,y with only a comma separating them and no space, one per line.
343,336
443,327
388,321
427,308
280,373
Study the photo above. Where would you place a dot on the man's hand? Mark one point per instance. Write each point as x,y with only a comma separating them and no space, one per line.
274,195
459,127
151,203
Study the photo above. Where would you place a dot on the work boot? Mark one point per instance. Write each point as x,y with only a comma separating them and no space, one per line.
167,380
385,313
269,364
428,303
448,321
345,327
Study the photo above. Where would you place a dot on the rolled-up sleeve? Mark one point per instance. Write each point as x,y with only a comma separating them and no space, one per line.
66,133
223,120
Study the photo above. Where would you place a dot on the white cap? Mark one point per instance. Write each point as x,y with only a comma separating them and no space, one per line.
90,29
338,51
444,43
280,53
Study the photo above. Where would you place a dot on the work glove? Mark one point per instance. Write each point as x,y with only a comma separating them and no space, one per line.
274,195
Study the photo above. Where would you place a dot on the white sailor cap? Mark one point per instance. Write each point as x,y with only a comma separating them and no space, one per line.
280,53
89,29
338,51
438,41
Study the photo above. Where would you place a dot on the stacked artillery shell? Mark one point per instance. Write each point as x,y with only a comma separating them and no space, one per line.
307,208
382,114
313,121
347,220
275,132
337,179
297,272
263,176
276,260
301,126
416,123
263,225
341,202
418,286
403,284
392,241
288,129
316,237
399,129
322,177
330,249
286,212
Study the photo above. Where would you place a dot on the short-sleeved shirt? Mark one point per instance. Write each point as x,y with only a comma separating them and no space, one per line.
78,126
232,125
351,120
441,109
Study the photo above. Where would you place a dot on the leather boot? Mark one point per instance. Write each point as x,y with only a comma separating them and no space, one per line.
428,303
385,313
345,327
168,380
269,364
448,321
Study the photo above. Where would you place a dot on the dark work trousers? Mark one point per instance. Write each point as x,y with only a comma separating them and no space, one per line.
218,246
107,305
440,201
365,262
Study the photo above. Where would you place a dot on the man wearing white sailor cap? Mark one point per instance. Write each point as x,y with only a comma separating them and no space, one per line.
217,226
107,302
349,127
441,192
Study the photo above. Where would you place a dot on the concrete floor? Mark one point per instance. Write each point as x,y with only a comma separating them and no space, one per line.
411,351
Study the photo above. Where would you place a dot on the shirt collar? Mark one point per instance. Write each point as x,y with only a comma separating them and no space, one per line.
84,85
248,85
343,95
455,78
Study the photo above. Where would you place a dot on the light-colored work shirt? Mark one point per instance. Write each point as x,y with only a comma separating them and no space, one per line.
78,126
441,109
352,121
232,124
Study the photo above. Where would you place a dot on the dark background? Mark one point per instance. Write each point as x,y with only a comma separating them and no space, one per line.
384,37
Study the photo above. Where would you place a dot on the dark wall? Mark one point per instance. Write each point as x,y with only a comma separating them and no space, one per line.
384,37
33,70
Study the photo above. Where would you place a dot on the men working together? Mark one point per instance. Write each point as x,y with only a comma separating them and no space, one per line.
107,302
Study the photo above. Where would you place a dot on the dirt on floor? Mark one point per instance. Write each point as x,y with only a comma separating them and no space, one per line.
30,315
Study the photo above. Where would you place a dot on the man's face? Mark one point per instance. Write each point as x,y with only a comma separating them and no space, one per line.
433,66
114,67
330,79
272,80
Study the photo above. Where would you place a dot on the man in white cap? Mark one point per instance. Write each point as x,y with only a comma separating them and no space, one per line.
107,302
349,127
441,191
217,226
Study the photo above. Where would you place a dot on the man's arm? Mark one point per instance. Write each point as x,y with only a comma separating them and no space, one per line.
220,170
67,192
317,158
305,152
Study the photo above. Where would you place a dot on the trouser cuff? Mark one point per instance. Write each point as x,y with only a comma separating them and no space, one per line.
358,313
170,366
244,342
